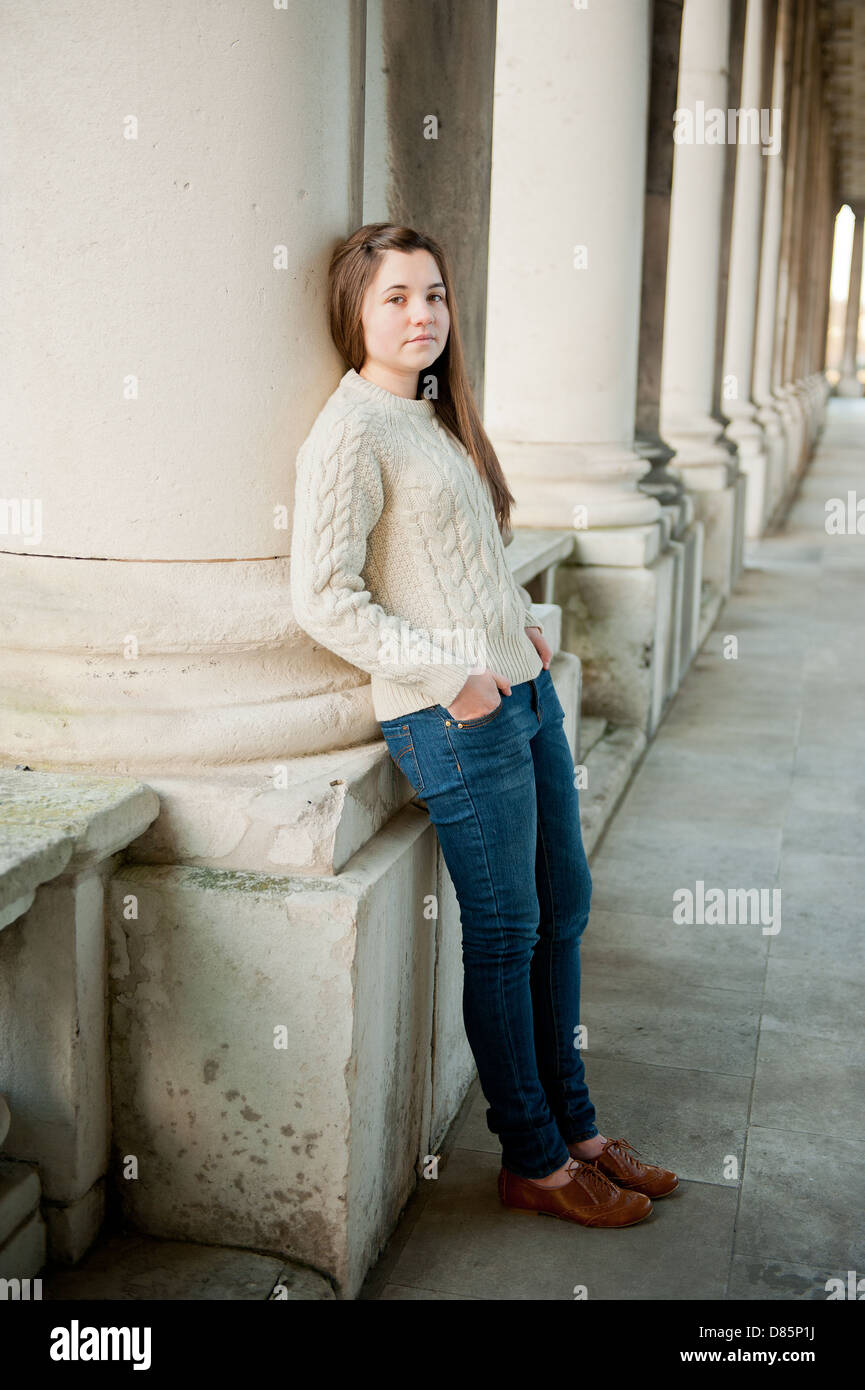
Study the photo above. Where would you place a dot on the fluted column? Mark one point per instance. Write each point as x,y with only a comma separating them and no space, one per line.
849,384
169,354
566,240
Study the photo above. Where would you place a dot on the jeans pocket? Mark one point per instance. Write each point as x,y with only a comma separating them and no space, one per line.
400,745
474,723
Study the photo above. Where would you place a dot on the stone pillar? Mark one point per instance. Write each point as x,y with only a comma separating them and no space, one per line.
738,359
146,625
820,270
821,323
163,268
768,414
807,234
566,243
660,482
784,390
691,359
849,384
565,249
435,61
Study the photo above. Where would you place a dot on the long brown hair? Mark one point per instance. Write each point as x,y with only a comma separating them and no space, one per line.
352,267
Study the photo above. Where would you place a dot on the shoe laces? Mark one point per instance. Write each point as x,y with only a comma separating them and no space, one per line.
622,1145
579,1167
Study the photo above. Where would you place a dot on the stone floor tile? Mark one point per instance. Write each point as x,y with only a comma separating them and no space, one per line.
466,1244
767,1280
802,1199
686,1121
809,1084
710,1030
818,1004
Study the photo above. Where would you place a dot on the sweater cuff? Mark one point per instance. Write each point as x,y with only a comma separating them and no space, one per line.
531,620
446,682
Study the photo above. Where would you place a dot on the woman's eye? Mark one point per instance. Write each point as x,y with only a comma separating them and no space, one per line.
435,295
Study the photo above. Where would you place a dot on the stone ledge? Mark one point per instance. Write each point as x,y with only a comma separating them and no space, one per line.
332,804
52,823
609,766
29,855
534,548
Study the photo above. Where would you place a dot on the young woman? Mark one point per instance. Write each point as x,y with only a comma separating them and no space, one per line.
401,517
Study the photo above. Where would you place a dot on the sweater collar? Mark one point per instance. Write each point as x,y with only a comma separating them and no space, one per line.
359,385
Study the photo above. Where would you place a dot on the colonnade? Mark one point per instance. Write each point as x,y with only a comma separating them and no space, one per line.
644,321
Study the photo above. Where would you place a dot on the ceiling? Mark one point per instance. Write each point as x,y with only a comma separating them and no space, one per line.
842,40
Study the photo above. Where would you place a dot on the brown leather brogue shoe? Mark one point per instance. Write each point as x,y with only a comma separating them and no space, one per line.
615,1162
589,1198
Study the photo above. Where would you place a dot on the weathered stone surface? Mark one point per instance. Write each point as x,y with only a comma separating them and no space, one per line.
139,1267
19,1195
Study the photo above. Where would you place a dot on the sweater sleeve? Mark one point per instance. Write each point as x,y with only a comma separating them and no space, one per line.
530,619
338,500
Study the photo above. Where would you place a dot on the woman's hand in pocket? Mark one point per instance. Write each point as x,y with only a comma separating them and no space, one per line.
478,696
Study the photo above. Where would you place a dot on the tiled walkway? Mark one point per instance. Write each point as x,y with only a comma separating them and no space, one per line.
712,1041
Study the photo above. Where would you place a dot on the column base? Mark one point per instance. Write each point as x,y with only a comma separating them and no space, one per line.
849,386
752,450
134,668
634,627
549,481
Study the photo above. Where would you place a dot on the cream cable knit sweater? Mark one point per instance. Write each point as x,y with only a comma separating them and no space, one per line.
397,561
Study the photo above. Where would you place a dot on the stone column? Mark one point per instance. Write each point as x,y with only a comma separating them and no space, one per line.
435,61
738,359
807,231
821,320
849,384
691,359
666,37
784,391
171,253
768,414
661,482
820,269
564,276
566,245
169,353
821,323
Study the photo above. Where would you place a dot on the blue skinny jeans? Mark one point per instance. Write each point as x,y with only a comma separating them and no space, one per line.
500,792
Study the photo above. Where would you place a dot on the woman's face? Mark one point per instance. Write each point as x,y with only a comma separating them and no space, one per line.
405,316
